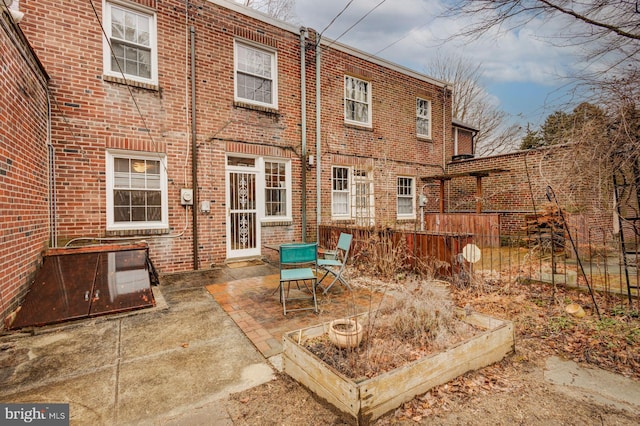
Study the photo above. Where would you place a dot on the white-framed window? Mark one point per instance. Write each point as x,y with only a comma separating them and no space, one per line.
340,192
131,44
352,195
137,196
277,189
357,101
406,197
362,194
256,75
423,118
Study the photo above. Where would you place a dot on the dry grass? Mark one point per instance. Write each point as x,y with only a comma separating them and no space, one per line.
418,320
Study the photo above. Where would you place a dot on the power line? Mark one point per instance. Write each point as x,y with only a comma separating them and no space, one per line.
126,82
397,41
336,17
357,22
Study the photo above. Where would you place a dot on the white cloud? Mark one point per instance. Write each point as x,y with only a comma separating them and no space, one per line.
519,55
521,64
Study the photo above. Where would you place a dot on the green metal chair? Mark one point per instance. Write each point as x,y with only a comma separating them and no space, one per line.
298,262
336,266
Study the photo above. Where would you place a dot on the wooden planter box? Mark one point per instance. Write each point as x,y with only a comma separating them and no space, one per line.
368,399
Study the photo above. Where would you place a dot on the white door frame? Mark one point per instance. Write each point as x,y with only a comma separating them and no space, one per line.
247,213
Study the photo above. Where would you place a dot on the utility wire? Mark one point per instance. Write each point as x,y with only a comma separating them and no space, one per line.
126,82
397,41
357,22
336,17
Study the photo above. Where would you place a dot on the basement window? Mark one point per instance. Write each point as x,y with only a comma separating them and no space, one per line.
136,191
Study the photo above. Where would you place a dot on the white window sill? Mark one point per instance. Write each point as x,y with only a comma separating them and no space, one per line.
131,82
285,221
271,109
126,232
358,125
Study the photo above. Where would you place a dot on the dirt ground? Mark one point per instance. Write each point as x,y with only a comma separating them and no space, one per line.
513,391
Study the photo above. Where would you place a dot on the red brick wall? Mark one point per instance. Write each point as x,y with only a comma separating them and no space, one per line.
24,166
390,147
92,114
521,189
465,141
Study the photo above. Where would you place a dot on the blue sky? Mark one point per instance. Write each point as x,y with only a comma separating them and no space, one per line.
525,75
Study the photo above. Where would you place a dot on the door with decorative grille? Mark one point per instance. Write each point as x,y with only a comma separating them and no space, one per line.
242,219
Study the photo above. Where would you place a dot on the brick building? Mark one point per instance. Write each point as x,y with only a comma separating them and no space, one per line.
24,164
212,118
520,188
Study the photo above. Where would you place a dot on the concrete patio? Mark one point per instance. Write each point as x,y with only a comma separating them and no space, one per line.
163,365
212,333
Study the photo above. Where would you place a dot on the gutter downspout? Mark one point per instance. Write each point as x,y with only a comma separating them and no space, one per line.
52,179
303,129
444,141
194,146
444,128
318,138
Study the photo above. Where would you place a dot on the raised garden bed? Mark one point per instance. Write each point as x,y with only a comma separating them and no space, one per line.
369,398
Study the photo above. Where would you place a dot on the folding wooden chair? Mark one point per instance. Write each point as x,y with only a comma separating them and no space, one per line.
293,258
336,266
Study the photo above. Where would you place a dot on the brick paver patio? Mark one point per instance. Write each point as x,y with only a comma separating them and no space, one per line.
253,303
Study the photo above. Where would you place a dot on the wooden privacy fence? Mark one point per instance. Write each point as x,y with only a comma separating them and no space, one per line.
486,227
441,251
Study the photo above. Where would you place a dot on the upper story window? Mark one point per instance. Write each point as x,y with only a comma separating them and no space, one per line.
357,101
255,75
423,118
406,199
131,48
136,191
277,189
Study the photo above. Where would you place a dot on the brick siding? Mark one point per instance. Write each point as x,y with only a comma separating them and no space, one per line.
522,189
93,113
24,167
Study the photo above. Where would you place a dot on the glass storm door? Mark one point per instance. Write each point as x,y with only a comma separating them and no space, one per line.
243,237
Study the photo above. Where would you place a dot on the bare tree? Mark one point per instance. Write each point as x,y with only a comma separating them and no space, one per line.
608,35
473,105
604,23
607,32
280,9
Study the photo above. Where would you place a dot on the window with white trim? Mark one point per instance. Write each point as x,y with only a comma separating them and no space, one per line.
357,101
340,192
406,198
352,195
136,191
256,75
131,46
277,189
362,194
423,118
